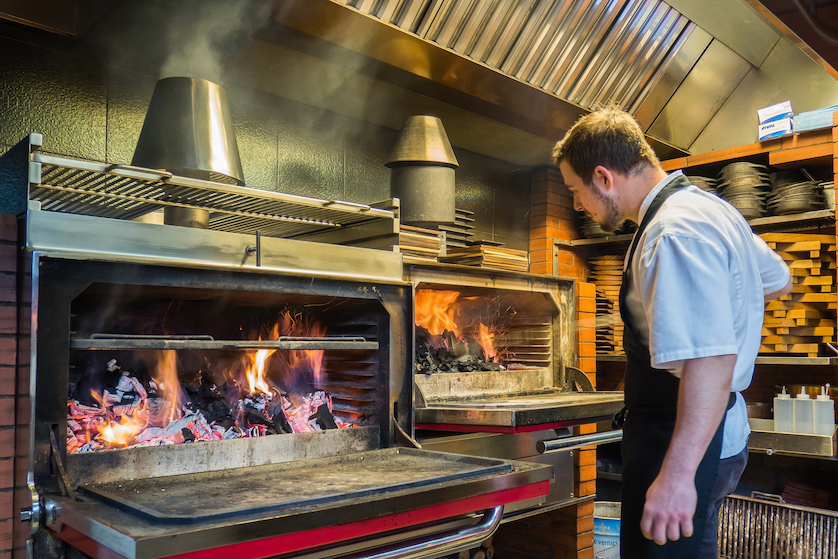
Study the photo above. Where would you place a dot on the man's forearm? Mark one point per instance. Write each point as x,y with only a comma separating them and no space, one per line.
702,401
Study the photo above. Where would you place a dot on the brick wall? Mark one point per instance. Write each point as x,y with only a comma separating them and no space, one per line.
566,533
8,385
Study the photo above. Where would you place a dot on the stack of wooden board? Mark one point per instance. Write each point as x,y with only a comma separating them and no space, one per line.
460,233
607,274
420,243
606,343
489,256
802,321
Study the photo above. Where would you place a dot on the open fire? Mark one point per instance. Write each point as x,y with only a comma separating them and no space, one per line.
451,336
161,401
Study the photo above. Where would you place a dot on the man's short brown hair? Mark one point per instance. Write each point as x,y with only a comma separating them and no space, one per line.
609,137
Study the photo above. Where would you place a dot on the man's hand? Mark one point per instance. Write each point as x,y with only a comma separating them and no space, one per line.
669,510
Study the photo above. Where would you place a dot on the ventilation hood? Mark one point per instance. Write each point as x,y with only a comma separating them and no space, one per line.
535,66
509,77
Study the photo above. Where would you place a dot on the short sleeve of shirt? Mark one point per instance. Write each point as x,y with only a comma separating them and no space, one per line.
689,314
773,272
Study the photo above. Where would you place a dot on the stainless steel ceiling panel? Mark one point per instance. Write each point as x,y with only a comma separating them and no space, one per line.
630,54
660,91
583,48
545,13
585,25
431,11
651,62
407,14
543,66
703,92
474,27
504,27
612,49
551,37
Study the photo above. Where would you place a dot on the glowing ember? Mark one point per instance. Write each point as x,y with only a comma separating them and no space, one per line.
269,392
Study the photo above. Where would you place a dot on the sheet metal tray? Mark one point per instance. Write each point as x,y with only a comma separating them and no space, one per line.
274,488
519,411
764,438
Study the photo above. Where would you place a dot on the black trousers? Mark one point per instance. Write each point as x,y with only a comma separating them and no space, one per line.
646,438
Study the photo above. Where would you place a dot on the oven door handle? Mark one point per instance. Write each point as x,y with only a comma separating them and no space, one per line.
570,443
442,544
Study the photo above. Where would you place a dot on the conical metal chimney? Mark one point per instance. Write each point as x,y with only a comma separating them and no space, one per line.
188,131
422,172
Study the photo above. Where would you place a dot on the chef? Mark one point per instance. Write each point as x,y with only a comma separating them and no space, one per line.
692,299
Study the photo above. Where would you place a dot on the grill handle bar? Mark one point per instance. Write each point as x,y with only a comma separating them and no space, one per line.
570,443
444,544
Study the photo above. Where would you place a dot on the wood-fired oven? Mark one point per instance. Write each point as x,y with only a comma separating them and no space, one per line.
231,392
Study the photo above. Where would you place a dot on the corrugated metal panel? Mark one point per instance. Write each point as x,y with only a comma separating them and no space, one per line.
585,51
752,529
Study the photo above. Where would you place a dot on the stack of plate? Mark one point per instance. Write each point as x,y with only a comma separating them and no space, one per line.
828,189
460,233
745,185
704,183
794,198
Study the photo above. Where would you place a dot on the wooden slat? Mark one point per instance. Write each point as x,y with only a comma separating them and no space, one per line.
801,154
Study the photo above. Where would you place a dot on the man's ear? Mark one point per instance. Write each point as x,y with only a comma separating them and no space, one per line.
603,178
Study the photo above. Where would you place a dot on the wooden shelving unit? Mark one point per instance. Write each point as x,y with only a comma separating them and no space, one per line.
816,151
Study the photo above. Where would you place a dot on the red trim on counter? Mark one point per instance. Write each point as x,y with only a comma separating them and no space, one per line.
327,535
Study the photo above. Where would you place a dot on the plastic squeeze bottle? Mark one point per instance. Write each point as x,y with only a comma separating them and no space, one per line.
804,411
783,415
824,413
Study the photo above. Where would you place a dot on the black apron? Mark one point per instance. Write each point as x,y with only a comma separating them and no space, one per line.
651,397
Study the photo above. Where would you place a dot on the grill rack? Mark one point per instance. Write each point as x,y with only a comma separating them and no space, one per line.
123,192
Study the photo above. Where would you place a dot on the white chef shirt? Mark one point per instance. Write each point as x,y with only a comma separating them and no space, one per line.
699,277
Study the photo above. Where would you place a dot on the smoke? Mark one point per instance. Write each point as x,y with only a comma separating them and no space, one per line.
201,34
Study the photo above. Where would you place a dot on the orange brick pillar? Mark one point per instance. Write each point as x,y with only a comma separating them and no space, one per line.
566,533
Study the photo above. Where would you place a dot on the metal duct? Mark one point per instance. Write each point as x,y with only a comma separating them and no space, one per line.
588,52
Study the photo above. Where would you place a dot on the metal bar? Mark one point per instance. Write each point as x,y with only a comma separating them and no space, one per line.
569,443
444,544
101,341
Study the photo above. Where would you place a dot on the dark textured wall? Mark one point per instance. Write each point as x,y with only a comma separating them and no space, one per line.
92,111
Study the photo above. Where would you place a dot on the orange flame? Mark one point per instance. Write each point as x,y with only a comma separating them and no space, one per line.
165,375
255,373
121,433
295,364
486,339
435,311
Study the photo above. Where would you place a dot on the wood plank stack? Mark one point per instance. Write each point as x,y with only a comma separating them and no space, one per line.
489,256
802,321
607,275
420,243
461,232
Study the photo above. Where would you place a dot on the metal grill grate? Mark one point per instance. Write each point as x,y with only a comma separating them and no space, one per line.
82,187
752,529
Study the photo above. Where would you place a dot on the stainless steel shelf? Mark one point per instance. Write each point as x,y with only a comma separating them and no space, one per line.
123,192
761,360
116,341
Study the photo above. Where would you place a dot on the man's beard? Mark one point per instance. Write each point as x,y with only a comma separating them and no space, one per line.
612,218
